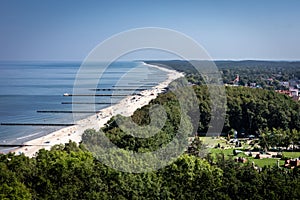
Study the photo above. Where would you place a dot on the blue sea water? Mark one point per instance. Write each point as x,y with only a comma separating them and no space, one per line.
28,87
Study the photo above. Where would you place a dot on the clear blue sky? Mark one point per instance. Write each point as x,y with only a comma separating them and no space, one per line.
69,29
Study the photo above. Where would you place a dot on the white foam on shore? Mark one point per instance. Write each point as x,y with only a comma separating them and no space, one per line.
125,107
31,135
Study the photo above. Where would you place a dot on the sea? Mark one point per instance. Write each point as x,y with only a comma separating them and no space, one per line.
36,93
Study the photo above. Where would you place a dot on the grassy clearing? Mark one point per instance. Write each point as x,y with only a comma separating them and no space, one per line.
265,161
212,142
226,152
258,162
291,154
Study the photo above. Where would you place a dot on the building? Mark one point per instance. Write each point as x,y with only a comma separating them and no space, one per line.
252,85
284,84
296,98
294,92
286,92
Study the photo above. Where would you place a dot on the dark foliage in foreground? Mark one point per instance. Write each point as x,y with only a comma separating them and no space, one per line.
70,172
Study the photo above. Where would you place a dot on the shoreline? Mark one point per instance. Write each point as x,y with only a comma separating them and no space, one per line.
126,107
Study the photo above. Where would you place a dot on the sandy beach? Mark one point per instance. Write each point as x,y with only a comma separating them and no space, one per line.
125,107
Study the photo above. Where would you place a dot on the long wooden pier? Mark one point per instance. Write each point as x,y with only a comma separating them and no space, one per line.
118,89
65,111
21,145
145,84
130,86
97,95
33,124
98,103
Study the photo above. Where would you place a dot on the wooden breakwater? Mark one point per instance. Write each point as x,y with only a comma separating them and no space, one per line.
34,124
66,111
97,103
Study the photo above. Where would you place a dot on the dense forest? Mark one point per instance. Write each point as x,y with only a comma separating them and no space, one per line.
266,74
249,111
76,172
71,172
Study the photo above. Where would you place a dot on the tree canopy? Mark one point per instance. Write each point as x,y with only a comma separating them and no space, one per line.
70,172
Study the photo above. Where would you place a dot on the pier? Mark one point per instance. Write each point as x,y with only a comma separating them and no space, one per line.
118,89
21,145
131,86
34,124
97,103
65,111
96,95
145,84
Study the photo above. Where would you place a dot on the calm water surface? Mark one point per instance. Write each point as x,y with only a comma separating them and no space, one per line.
28,87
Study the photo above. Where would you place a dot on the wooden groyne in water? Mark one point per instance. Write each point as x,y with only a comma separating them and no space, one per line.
97,95
34,124
118,89
131,86
65,111
21,145
145,84
98,103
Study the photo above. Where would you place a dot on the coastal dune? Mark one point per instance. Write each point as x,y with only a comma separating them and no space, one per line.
125,107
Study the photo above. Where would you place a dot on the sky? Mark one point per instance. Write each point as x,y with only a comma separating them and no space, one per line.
67,30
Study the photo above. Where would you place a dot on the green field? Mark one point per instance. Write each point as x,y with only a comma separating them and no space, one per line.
291,154
258,162
212,142
226,152
266,162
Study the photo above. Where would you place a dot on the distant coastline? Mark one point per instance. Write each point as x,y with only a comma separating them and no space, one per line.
29,90
125,107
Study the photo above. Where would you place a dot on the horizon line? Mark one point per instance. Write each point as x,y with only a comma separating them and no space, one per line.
140,60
